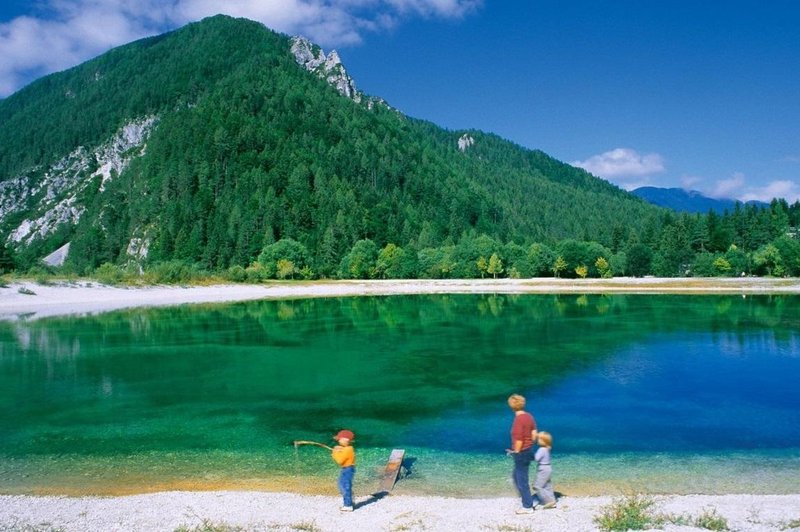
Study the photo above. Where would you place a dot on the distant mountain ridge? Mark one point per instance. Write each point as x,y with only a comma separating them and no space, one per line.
690,201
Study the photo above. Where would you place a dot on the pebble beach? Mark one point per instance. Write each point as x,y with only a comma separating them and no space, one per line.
259,511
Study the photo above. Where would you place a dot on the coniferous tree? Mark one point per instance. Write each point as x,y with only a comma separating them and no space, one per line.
495,266
7,263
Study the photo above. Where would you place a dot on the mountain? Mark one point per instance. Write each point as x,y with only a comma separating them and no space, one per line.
691,201
208,143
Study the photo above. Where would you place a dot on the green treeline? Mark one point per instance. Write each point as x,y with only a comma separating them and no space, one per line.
260,170
750,240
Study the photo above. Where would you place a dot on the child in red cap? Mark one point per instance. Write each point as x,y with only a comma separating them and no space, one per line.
344,455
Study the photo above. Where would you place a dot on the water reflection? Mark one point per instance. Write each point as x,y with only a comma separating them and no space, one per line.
611,373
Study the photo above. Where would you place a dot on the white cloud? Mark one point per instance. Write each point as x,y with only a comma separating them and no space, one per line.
788,190
438,8
690,182
72,31
624,166
67,32
736,187
728,188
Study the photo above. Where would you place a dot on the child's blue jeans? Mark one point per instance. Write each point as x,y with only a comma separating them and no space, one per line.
346,484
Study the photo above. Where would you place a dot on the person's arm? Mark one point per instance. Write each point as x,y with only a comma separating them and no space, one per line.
338,455
517,434
343,455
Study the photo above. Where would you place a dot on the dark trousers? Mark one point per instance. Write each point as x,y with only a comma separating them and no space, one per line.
346,484
522,464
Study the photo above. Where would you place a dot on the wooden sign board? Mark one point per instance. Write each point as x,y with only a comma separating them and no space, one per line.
389,476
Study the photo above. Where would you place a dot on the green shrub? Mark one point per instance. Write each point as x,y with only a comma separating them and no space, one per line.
257,273
207,525
791,525
307,273
305,526
108,273
172,272
711,520
288,251
633,512
236,274
210,526
41,274
637,512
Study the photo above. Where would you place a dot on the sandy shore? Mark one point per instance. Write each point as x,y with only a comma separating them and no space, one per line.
17,301
283,511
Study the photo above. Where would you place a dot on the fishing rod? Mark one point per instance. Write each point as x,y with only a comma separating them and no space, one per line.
298,443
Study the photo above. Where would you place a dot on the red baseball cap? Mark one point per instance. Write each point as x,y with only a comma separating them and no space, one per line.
345,434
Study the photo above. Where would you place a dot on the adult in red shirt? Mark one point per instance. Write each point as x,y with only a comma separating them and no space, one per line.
523,434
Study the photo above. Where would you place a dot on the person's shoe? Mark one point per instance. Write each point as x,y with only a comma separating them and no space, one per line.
346,509
549,505
524,511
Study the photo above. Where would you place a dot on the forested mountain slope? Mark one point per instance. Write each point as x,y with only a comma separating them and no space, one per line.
223,139
243,146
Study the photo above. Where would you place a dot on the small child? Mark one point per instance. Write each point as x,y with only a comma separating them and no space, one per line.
344,455
543,484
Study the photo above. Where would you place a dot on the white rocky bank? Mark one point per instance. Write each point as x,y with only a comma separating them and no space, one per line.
285,511
29,300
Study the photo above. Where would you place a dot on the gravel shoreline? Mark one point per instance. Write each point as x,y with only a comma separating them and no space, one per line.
29,300
169,511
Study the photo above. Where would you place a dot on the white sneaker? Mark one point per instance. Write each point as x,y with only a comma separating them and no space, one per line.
346,509
524,511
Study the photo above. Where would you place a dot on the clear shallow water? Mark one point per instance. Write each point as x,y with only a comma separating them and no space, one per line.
660,393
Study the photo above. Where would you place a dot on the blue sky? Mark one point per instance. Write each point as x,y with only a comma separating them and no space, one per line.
699,95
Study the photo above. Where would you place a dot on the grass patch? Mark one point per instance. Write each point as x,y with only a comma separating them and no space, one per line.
638,512
506,527
416,524
28,527
408,523
711,520
302,526
207,525
790,525
632,512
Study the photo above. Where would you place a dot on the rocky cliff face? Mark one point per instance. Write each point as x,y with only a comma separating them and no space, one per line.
51,196
328,67
465,141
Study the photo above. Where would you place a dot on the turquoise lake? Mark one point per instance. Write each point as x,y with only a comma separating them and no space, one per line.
664,394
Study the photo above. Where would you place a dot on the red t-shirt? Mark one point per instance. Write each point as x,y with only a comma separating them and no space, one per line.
521,429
